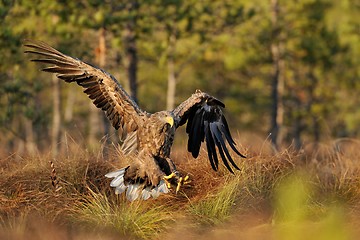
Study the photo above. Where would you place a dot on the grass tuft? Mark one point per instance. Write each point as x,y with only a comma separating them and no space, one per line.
216,207
137,219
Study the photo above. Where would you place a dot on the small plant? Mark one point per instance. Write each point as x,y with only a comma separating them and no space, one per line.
53,177
216,207
138,219
14,225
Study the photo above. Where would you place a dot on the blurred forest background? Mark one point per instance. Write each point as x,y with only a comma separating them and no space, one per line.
289,68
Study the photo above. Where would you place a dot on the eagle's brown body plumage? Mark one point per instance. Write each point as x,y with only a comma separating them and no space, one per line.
146,138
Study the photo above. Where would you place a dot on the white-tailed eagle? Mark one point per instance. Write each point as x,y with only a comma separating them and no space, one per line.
148,137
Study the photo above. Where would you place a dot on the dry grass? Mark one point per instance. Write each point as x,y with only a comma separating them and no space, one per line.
274,196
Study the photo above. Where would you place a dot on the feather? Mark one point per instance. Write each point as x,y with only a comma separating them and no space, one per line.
190,120
133,192
117,181
62,70
58,57
120,189
130,143
162,187
86,82
214,101
95,94
110,113
146,193
67,78
72,69
92,90
57,62
198,132
106,106
230,141
227,130
129,192
213,131
102,103
44,47
155,192
221,140
116,120
211,148
116,173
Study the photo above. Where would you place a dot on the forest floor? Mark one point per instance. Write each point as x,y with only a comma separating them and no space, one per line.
308,194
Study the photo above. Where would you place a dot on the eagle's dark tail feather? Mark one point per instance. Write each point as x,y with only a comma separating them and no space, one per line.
135,190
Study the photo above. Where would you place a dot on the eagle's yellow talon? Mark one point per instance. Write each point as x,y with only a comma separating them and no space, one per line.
169,176
180,181
179,184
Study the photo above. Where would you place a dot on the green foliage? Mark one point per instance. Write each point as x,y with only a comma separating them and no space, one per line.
291,199
295,209
221,47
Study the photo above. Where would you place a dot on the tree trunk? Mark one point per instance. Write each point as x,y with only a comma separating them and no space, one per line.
297,116
297,127
94,127
277,115
171,88
101,60
130,49
317,129
56,122
313,100
69,108
30,144
171,91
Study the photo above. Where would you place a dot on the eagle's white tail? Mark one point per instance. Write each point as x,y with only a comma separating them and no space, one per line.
135,190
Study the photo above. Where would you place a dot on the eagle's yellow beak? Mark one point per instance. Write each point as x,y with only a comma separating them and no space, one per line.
170,120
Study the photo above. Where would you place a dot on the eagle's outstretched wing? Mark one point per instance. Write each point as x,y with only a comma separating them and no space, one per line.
205,121
105,91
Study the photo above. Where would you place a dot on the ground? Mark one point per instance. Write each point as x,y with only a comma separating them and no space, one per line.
312,193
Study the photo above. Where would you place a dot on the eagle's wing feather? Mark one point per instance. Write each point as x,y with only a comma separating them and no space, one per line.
105,91
205,121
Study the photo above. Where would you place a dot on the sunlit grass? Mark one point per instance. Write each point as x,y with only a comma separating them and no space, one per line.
216,207
138,219
16,225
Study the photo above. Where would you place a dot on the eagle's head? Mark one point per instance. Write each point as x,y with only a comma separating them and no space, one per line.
166,118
